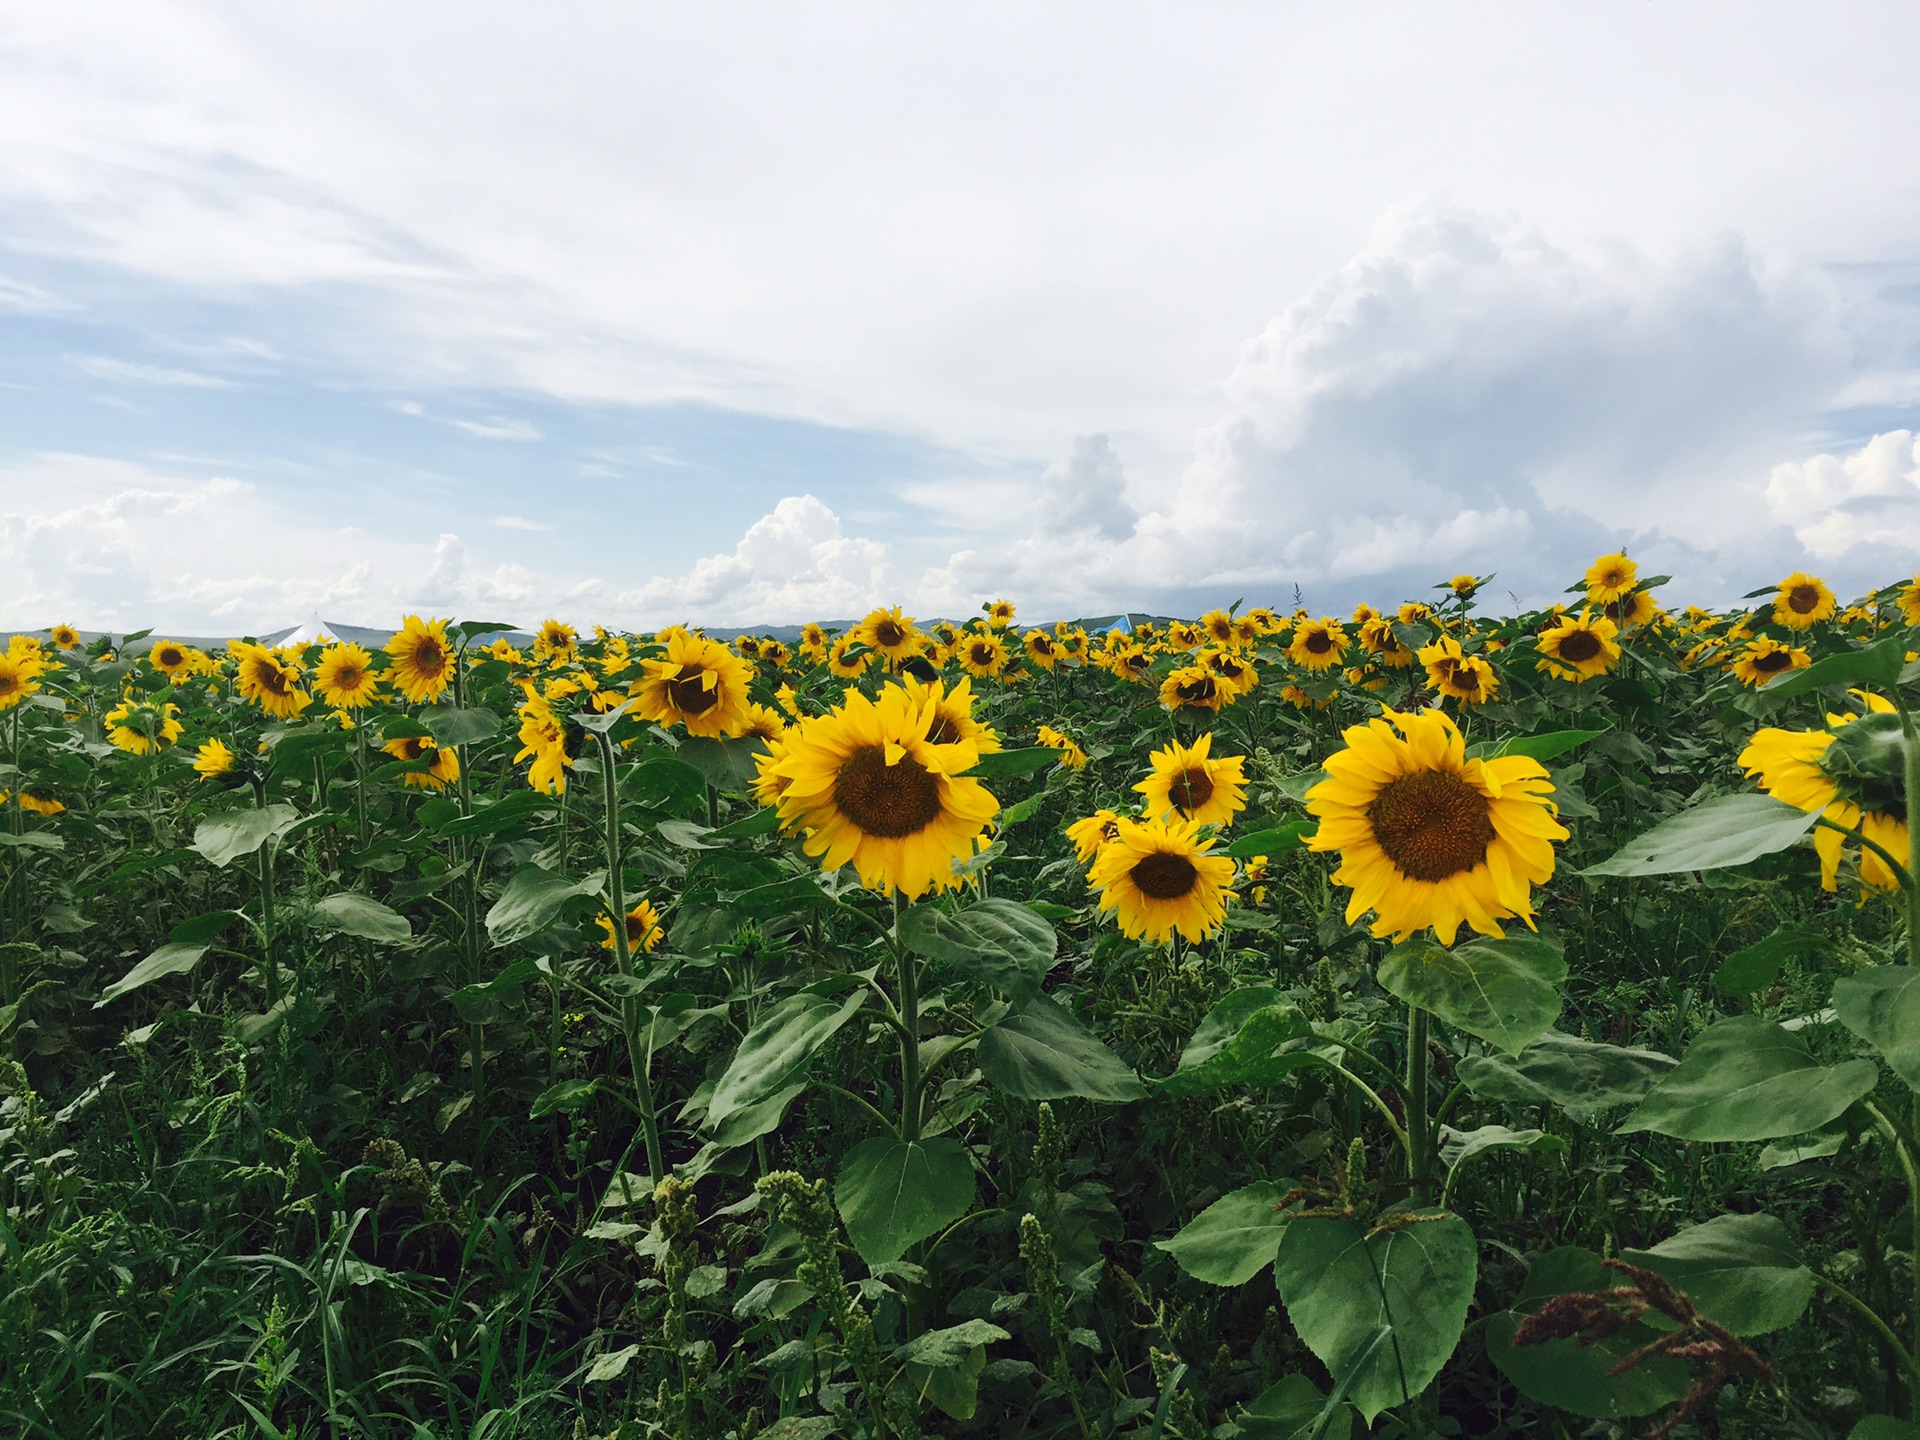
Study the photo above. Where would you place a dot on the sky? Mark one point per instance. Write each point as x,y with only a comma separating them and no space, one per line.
743,314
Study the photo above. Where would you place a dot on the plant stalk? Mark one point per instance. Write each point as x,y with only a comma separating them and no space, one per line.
631,1013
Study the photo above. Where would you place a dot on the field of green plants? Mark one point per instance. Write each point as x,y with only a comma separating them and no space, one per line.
1429,1022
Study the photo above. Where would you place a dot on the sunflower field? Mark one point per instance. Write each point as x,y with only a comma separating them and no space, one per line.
1268,1026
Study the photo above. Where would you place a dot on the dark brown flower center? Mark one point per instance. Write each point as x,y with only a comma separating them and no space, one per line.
887,634
428,658
1190,790
1580,645
8,684
1197,691
1318,642
347,677
1773,660
638,928
983,655
689,695
945,729
1165,877
891,801
271,678
1803,599
1431,825
170,657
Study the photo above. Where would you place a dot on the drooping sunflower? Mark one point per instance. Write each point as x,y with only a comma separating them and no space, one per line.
1803,601
141,727
701,684
983,654
422,659
1428,837
953,717
1300,699
1157,878
866,785
1610,578
1195,687
64,637
19,678
892,634
644,930
1092,833
1766,658
44,806
267,680
847,659
1579,648
1318,644
344,676
1800,767
1457,675
444,770
1188,783
1072,757
213,759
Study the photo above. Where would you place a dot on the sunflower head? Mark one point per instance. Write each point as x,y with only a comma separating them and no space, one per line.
701,685
212,759
1457,675
345,677
644,930
555,640
1189,783
999,614
65,637
1765,658
1852,773
1579,647
1803,601
141,727
440,773
1158,878
19,678
892,634
848,658
1196,687
422,659
1610,577
1318,644
1072,757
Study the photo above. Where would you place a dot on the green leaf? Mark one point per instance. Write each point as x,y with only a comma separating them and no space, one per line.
1002,763
1718,833
1459,1146
1233,1239
450,726
506,813
760,822
532,899
295,751
1290,1409
782,897
1881,1427
1876,665
567,1095
999,942
728,765
204,928
1572,1376
778,1046
1534,747
661,782
33,840
1041,1052
1754,967
1741,1270
350,913
1584,1078
171,959
944,1366
1240,1043
1797,1148
1270,843
892,1194
1882,1007
750,1122
475,629
1295,787
685,834
1749,1079
1504,991
612,1365
227,837
943,1348
1341,1287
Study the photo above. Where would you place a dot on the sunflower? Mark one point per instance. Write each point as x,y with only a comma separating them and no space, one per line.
212,759
700,684
1794,766
422,659
19,678
1299,699
1611,578
1183,635
1220,627
1130,662
446,761
846,659
44,806
1090,835
644,930
1459,676
892,634
1378,639
1194,687
788,699
1579,648
64,637
1909,601
1000,614
173,660
268,681
747,647
1464,587
1233,666
1766,658
141,728
984,655
1072,757
953,719
543,739
1041,649
344,676
1318,644
774,655
813,642
867,785
1428,837
1185,781
1157,877
503,649
763,724
1073,643
1802,602
1632,610
555,642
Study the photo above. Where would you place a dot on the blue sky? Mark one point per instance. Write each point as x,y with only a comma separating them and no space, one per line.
635,314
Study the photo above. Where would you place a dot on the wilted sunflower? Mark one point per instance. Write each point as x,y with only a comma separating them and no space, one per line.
1072,757
1803,601
892,634
866,786
1802,768
444,770
345,677
19,678
644,931
846,658
1157,877
422,659
1766,658
212,759
142,728
1188,783
1457,675
1579,648
984,655
1194,687
1000,614
1041,649
953,718
64,637
264,678
1318,644
701,684
1611,578
1428,837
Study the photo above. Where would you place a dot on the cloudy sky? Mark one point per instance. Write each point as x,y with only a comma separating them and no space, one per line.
741,313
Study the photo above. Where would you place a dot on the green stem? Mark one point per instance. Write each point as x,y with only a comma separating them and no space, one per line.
1910,766
1419,1122
1880,1327
909,1027
631,1013
264,868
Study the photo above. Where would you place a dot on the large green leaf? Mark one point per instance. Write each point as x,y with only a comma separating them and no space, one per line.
1042,1053
1749,1079
892,1194
1459,1146
1277,841
1233,1239
1504,991
227,837
944,1366
779,1044
1251,1037
1572,1376
1014,762
1741,1270
1876,665
1290,1409
1882,1007
1533,747
350,913
510,812
170,959
1342,1286
1755,966
532,899
1582,1077
449,726
1715,834
728,765
999,942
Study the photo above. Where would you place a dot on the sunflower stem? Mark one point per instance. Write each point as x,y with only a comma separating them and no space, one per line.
639,1056
909,1027
1419,1122
264,868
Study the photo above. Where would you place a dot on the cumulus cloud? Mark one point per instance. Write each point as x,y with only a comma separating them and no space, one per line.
1869,497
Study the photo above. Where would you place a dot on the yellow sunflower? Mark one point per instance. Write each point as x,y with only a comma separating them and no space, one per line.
763,723
701,684
768,783
644,931
1428,837
1766,658
1299,699
1000,614
1071,755
953,717
867,786
64,637
422,659
44,806
1221,627
171,659
1194,687
774,655
1130,662
267,680
19,678
555,641
1464,586
345,677
442,773
1041,649
1793,766
1378,640
142,728
1909,601
1803,601
543,740
1186,782
1091,834
892,634
813,642
1318,644
1579,648
1611,578
846,658
1233,666
1157,877
1632,610
1457,675
984,655
212,759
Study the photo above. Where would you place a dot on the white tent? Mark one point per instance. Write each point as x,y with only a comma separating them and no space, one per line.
314,632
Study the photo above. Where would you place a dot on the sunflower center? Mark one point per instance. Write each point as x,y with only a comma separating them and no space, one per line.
1773,660
891,801
945,730
347,678
1190,790
689,696
1580,645
1319,642
888,634
1196,691
428,657
169,658
272,679
1431,825
1803,599
8,684
637,930
1165,877
983,654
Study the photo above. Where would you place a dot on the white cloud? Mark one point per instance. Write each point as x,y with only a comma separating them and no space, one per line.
104,367
519,522
1840,503
498,429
